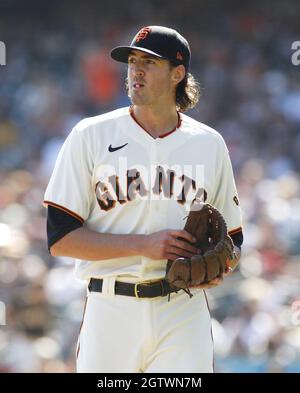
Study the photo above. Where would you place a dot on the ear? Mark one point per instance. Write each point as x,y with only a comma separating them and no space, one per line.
178,73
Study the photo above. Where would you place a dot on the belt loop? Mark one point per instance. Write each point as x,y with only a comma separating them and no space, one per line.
108,286
89,287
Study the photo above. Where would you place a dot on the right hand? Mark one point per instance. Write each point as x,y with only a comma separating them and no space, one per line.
166,245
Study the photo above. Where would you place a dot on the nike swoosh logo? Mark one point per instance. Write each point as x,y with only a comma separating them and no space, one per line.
111,149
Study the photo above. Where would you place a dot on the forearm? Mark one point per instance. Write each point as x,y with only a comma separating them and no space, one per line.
85,244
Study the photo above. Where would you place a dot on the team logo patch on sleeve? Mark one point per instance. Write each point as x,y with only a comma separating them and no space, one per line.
236,201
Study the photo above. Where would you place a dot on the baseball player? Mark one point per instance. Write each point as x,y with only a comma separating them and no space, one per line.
117,202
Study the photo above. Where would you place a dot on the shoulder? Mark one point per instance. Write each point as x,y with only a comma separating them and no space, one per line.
196,129
105,119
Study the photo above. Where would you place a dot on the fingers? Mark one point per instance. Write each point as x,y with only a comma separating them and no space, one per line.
204,286
176,248
210,284
181,240
184,246
228,271
180,252
216,281
172,256
184,235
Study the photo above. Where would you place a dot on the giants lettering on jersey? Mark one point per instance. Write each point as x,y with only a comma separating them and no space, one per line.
166,185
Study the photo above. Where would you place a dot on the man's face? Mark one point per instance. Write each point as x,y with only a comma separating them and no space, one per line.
149,79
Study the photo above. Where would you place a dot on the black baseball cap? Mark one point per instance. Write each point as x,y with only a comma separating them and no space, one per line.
158,41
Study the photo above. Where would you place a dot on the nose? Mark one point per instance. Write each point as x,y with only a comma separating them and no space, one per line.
138,72
137,69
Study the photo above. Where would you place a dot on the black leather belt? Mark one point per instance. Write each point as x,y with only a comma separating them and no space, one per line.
140,290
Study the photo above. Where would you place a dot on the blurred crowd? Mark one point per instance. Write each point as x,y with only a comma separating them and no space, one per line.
58,71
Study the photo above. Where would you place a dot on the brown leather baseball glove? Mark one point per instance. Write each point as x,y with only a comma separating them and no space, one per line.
208,226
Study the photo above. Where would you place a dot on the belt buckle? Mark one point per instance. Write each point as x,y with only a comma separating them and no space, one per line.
136,291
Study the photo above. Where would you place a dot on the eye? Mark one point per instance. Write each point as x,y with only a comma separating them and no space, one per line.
131,60
150,61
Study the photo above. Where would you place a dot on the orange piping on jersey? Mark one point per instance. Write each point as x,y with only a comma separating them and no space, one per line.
177,126
161,136
234,231
65,210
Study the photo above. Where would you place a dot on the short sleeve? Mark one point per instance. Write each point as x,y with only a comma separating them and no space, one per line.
225,196
70,185
59,224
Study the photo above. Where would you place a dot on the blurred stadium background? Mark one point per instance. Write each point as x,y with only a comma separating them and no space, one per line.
58,71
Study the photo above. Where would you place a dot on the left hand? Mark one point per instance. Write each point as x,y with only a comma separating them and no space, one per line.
211,284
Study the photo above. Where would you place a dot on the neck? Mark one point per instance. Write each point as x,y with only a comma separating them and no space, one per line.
156,121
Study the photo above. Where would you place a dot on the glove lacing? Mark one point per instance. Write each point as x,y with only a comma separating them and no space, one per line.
186,289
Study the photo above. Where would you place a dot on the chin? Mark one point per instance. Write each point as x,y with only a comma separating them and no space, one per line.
138,100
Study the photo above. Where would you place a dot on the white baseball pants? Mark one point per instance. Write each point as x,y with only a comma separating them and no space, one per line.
123,334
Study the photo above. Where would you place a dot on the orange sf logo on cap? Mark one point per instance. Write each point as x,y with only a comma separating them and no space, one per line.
142,34
179,56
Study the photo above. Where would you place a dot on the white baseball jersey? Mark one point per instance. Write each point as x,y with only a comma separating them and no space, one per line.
116,178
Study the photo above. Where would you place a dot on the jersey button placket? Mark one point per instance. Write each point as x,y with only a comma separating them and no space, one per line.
157,209
152,197
161,208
